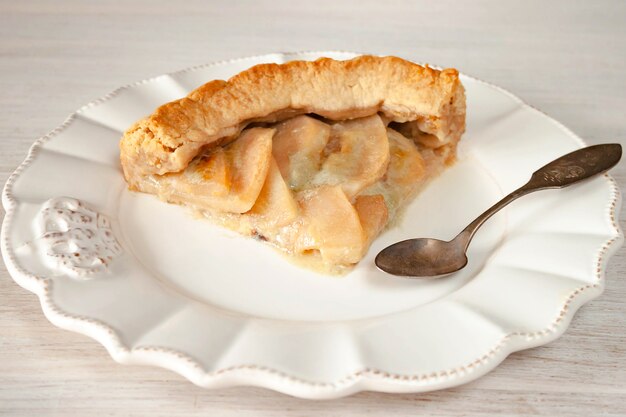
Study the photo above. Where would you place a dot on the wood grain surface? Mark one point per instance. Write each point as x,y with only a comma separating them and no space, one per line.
567,58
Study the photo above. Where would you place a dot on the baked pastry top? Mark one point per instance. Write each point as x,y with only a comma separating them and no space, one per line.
315,157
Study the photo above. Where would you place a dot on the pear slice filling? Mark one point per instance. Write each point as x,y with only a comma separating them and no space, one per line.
314,189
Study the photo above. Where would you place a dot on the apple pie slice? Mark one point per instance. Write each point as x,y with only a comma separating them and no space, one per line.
313,157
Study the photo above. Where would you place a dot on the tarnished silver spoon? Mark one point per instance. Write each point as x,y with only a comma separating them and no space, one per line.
427,257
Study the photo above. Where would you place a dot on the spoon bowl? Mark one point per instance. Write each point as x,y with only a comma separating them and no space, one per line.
429,257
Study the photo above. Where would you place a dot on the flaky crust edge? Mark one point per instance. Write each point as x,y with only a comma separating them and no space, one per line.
217,111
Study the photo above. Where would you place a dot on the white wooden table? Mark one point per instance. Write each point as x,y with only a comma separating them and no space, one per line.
567,58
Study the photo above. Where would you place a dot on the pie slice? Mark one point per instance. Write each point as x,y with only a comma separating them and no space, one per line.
316,158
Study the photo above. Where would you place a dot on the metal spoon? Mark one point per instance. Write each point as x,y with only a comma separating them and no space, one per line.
427,257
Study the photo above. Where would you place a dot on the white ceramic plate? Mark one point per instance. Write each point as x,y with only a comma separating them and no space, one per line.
156,286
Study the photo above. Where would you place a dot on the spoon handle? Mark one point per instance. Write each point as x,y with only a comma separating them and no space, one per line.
562,172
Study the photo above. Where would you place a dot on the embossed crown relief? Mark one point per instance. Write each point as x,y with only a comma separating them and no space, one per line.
73,239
